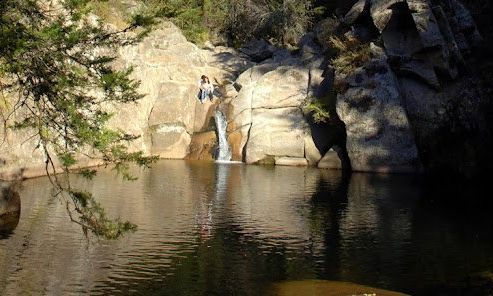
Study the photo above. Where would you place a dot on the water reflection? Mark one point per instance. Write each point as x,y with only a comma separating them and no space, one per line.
10,208
222,229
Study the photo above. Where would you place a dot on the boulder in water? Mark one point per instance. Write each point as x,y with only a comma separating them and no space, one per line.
326,288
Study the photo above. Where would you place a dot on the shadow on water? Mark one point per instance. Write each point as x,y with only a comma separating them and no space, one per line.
10,209
222,229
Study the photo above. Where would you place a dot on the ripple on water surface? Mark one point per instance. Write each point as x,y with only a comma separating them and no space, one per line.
223,229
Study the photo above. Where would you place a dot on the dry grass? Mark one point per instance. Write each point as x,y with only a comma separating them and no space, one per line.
326,29
352,54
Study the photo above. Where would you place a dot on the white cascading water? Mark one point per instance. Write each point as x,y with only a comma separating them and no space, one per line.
221,124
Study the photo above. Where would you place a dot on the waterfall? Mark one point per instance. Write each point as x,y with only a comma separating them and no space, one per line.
221,124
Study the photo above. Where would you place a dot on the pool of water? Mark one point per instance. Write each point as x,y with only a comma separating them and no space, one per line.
233,229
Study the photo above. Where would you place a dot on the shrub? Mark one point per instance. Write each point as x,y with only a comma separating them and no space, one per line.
325,29
352,54
318,110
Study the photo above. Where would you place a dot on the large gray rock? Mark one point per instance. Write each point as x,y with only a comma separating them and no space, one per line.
447,123
275,133
426,23
266,116
381,12
379,136
258,50
286,86
356,11
267,105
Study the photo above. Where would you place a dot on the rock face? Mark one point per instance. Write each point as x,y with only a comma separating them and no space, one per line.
391,110
170,67
266,114
401,106
263,104
379,136
167,118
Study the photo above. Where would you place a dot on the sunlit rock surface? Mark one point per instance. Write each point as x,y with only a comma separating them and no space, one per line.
267,113
396,105
326,288
170,68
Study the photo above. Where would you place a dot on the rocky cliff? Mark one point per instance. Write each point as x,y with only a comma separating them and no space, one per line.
410,103
415,101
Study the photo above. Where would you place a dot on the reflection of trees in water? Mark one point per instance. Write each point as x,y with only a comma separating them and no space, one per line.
266,224
328,203
363,222
10,207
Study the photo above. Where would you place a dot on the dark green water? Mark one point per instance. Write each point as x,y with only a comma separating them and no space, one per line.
219,229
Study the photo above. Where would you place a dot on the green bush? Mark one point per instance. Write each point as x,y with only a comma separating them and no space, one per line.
319,111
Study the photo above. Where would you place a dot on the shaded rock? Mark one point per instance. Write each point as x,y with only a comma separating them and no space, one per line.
446,123
258,50
449,39
308,47
421,70
330,161
465,25
425,23
10,207
356,11
229,60
382,10
400,36
379,136
203,146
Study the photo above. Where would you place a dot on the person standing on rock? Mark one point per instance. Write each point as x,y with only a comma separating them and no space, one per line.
206,89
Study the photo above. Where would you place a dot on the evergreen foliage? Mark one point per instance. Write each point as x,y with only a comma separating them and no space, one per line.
282,21
57,82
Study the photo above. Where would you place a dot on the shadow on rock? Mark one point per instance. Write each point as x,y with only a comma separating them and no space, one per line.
10,208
